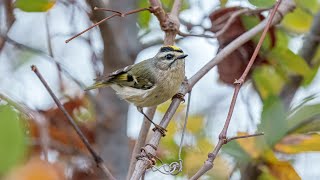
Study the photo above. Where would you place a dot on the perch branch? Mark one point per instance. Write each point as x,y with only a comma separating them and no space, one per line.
169,24
141,139
96,157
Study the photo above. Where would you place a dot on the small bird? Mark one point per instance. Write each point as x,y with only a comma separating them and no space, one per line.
150,82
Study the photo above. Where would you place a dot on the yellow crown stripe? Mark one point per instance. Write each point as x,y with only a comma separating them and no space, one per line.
175,48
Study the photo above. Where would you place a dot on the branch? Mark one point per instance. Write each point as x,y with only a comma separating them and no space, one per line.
96,157
141,140
238,84
286,7
8,8
169,24
50,50
116,13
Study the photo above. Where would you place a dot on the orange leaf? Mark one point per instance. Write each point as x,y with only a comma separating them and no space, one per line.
36,169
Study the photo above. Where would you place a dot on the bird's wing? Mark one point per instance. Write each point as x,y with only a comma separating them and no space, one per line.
130,76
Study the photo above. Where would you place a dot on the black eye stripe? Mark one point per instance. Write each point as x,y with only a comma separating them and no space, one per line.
169,56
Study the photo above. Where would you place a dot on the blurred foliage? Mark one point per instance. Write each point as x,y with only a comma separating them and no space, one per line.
13,145
262,3
287,132
37,169
35,5
282,134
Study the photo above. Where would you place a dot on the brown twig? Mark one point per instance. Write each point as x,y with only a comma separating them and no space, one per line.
116,13
222,136
49,43
96,157
245,136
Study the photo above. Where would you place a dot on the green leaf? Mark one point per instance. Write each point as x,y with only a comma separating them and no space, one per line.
303,116
267,81
12,138
273,120
310,127
311,6
223,3
167,5
144,17
262,3
234,149
282,39
34,5
299,21
251,21
290,62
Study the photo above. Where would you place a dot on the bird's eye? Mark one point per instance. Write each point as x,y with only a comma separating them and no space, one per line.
169,56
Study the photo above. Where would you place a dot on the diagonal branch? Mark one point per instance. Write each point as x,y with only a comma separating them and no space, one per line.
96,157
238,84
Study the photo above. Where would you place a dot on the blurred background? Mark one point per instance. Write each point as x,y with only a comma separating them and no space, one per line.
279,98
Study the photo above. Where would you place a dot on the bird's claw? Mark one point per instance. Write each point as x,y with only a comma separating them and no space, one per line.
160,129
179,96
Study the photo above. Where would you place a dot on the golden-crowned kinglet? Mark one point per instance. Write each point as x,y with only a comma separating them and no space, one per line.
150,82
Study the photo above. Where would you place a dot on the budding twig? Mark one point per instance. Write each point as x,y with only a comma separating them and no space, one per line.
96,157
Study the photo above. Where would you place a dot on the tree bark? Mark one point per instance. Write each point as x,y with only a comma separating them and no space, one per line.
121,46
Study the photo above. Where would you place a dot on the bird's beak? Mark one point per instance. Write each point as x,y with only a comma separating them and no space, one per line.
182,56
179,57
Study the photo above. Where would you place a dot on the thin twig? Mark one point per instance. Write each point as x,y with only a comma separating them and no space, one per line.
222,136
49,43
226,25
116,13
245,136
96,157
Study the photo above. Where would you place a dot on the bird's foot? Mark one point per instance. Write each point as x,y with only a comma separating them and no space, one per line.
160,129
179,96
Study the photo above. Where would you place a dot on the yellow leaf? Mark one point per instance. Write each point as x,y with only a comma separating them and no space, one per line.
281,170
298,143
249,145
164,106
299,21
195,123
195,157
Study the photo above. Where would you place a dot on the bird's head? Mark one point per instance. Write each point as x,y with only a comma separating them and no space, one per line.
170,57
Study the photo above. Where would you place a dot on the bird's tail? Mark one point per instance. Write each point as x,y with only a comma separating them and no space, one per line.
97,85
